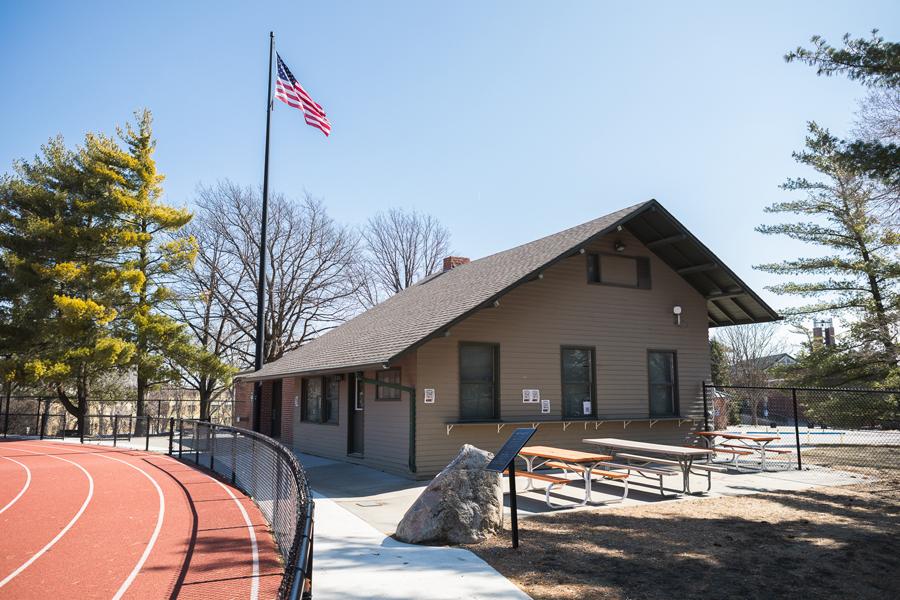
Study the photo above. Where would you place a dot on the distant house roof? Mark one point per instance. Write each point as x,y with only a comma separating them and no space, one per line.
436,303
764,363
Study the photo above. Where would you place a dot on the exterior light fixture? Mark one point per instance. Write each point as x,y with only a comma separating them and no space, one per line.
676,311
619,246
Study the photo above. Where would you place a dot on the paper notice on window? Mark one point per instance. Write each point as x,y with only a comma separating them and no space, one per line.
545,406
586,407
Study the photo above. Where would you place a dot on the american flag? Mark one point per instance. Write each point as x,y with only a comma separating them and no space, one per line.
289,91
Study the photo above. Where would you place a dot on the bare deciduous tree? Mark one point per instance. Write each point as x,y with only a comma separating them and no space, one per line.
309,257
746,346
200,301
402,247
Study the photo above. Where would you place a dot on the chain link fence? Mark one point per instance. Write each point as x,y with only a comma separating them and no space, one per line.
836,431
268,472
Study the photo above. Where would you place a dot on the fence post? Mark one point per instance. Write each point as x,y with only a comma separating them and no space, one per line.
196,443
81,423
147,434
43,423
211,435
277,487
705,409
37,418
796,428
65,417
234,436
180,437
6,417
115,429
171,433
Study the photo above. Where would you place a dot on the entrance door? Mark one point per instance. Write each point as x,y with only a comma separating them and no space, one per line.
356,415
275,431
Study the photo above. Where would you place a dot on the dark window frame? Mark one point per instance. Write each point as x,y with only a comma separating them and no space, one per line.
676,404
593,382
325,381
496,380
642,264
380,389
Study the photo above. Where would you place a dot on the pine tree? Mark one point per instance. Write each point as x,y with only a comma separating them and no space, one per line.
858,278
158,253
60,240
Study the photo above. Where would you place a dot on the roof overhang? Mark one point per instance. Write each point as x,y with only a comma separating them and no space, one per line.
729,301
252,375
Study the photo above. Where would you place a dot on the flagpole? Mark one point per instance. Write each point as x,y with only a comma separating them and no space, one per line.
261,286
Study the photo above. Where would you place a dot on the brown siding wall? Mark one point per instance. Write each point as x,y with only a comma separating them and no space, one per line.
386,438
531,324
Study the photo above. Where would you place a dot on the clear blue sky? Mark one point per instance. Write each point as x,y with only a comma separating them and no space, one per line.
507,120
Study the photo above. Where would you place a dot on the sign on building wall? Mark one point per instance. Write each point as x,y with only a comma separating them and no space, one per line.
531,396
429,395
545,406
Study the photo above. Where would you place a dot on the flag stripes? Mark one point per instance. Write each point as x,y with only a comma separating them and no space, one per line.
289,91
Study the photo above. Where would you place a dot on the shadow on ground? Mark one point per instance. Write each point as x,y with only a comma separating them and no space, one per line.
818,543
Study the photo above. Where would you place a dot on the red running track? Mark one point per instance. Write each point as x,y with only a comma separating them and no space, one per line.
100,522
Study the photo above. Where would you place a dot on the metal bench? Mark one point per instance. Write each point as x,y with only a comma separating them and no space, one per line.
650,471
619,476
702,469
552,481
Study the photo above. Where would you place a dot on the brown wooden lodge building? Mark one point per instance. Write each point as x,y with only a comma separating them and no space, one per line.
600,330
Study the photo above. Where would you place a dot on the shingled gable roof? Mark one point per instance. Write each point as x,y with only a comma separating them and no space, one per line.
436,303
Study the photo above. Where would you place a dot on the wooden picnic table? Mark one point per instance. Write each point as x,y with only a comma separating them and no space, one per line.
684,456
578,461
753,442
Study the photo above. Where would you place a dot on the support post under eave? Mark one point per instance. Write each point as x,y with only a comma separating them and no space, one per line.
412,430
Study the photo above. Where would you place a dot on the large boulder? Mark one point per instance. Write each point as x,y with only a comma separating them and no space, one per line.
462,505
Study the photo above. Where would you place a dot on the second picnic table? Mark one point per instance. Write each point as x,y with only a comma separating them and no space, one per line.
683,456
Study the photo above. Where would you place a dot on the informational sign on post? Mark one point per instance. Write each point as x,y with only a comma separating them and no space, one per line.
504,459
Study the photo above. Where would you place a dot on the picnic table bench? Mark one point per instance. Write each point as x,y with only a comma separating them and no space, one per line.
662,467
656,460
742,444
575,461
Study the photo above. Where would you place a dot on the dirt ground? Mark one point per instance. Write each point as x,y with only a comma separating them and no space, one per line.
828,542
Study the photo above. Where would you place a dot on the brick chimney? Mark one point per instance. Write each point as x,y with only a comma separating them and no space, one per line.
451,262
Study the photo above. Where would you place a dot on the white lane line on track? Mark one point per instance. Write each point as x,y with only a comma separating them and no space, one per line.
65,529
254,582
159,523
24,487
159,517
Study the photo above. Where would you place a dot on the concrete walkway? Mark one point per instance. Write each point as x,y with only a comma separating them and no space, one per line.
356,508
353,560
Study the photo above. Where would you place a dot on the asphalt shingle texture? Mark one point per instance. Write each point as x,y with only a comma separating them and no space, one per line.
388,329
